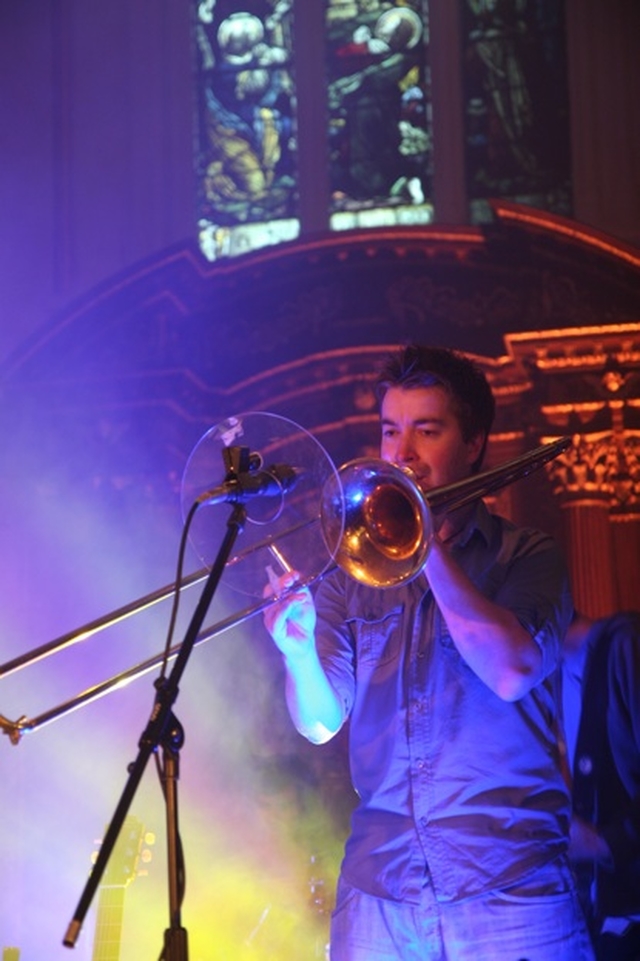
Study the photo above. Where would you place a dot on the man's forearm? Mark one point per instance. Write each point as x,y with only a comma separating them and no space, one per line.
489,637
314,706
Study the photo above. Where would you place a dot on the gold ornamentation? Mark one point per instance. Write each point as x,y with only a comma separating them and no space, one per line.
599,467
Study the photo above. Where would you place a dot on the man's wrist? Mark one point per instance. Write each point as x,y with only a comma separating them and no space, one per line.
300,655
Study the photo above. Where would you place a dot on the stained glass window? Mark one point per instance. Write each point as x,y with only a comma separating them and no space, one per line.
379,113
516,104
246,138
362,146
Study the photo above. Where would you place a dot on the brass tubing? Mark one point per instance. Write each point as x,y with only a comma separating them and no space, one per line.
122,613
24,725
453,496
448,498
99,624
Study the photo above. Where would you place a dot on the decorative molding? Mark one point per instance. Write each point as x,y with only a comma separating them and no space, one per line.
124,383
599,468
548,224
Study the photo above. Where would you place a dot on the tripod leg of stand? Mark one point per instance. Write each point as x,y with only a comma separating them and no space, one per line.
160,722
175,937
175,944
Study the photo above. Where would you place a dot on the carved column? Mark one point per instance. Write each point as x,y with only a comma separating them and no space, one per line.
625,529
585,383
579,479
625,523
598,483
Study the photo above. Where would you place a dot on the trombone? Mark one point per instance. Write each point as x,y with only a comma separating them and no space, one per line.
372,510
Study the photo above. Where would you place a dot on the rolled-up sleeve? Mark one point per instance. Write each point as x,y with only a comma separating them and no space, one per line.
334,641
537,590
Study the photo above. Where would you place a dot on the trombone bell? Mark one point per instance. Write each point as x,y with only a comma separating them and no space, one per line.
387,523
388,519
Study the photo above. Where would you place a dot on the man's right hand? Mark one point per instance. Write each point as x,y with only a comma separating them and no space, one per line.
291,618
315,708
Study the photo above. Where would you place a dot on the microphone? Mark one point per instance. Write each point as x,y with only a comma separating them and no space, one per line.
237,489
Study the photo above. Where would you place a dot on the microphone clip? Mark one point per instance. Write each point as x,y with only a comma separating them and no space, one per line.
239,460
246,479
242,466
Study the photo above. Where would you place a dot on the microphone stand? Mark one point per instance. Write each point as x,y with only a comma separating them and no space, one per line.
164,729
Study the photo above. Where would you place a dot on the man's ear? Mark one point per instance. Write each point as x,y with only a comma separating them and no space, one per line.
475,447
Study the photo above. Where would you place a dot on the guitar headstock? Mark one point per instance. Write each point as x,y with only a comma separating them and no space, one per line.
130,855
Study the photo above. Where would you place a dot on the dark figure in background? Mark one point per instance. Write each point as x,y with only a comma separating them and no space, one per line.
458,845
601,685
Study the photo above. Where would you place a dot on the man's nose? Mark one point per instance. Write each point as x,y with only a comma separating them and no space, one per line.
405,450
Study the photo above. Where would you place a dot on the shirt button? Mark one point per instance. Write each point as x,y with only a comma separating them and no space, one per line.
585,764
419,763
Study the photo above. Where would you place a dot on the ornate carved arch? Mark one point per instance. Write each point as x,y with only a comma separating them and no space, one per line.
123,384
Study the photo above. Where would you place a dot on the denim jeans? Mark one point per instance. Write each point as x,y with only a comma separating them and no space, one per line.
540,920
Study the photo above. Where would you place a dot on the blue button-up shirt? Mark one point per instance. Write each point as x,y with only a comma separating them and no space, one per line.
454,784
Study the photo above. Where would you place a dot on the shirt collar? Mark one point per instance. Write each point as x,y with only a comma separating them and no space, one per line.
480,521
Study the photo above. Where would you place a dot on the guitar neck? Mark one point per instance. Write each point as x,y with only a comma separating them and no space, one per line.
108,934
121,870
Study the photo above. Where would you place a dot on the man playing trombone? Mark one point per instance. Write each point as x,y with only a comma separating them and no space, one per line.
458,844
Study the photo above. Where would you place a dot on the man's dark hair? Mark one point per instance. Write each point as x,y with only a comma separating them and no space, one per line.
465,382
